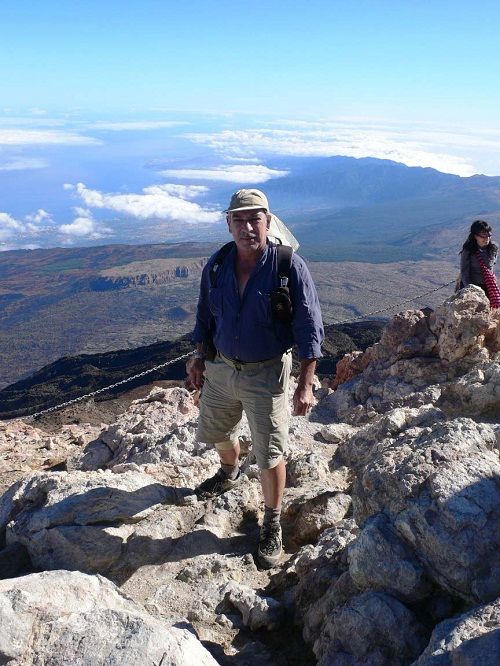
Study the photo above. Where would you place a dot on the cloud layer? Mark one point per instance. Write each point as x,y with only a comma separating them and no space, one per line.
169,202
134,125
22,163
24,137
422,146
245,173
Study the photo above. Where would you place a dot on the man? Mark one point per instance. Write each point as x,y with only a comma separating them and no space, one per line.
251,369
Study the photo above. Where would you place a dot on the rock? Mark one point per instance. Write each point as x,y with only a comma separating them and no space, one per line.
331,543
337,432
476,392
440,487
321,571
417,351
372,628
214,568
79,520
156,429
306,468
306,516
348,367
472,639
64,617
96,456
380,560
407,335
257,612
390,446
360,447
461,323
232,508
24,447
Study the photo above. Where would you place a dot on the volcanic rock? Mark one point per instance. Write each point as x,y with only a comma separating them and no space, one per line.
63,617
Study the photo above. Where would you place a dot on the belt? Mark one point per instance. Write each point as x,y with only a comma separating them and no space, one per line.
237,364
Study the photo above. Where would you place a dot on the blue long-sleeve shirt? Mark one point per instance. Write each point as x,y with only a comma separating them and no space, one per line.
244,326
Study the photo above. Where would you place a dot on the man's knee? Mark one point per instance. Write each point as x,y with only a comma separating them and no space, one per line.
264,462
226,445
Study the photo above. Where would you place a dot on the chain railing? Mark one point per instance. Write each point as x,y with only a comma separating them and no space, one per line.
98,391
393,305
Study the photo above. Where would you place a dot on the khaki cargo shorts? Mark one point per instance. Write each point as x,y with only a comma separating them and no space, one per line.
259,389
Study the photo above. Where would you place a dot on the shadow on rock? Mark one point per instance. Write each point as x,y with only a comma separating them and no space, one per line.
120,523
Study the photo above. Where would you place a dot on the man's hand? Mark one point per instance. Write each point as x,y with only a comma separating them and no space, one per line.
195,373
303,400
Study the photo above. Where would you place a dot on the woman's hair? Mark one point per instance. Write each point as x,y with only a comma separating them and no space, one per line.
479,227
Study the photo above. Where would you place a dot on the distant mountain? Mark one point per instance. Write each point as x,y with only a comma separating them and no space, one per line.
73,377
347,181
347,209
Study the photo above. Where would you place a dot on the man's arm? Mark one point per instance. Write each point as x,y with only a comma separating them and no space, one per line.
303,398
308,333
307,324
196,366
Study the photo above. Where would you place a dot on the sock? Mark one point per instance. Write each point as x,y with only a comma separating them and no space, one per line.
231,471
271,517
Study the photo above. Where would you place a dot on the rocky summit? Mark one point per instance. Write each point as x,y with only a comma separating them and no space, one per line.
391,521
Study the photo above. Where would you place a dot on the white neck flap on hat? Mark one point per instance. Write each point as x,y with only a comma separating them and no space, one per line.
278,231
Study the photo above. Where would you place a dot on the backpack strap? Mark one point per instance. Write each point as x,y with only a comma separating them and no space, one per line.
219,260
284,264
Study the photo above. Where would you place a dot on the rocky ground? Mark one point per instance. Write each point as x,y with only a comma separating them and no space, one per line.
391,521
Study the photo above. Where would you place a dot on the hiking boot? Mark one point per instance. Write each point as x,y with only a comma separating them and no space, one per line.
216,485
270,547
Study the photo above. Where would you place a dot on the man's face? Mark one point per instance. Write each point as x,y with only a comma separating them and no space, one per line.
249,229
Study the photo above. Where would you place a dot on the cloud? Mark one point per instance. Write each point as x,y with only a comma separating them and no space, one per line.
182,191
134,125
13,230
245,160
22,137
167,201
84,226
9,227
20,121
22,163
415,147
39,217
35,111
245,173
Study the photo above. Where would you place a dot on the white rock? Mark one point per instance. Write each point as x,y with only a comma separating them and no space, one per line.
257,612
66,617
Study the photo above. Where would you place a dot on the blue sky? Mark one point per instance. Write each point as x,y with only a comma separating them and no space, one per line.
396,59
116,113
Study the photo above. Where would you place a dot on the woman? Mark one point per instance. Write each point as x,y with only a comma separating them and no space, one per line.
478,257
